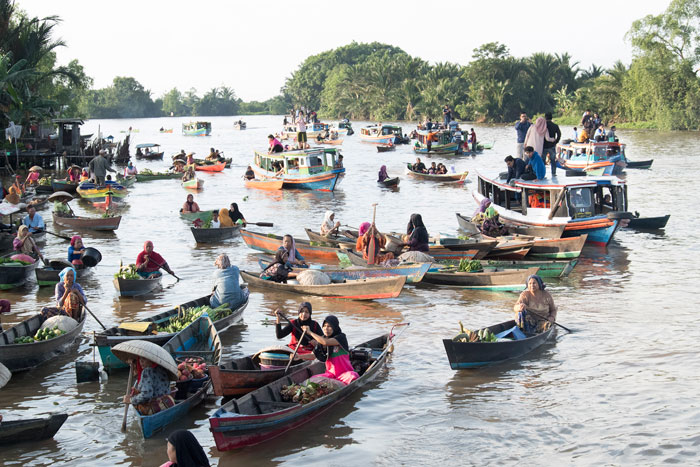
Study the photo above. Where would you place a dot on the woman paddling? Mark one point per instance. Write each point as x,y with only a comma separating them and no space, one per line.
227,289
148,262
536,299
295,329
151,393
383,175
328,227
69,296
333,350
366,233
24,244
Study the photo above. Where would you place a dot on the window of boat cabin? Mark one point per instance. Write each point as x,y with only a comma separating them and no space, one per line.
610,198
537,198
580,202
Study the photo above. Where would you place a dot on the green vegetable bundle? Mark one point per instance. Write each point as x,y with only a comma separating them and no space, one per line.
466,265
305,393
24,340
127,272
187,316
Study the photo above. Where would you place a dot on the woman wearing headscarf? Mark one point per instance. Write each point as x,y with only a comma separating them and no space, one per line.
492,226
535,310
69,294
417,235
23,243
148,262
536,135
130,169
235,215
76,251
190,205
224,219
480,214
383,175
226,289
151,393
334,350
365,234
295,329
328,227
185,451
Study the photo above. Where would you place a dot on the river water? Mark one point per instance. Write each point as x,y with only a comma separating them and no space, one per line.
622,389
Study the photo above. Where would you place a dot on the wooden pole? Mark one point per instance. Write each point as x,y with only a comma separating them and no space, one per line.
128,390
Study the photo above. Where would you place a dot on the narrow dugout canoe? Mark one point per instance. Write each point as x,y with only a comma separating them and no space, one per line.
64,185
271,243
135,287
141,177
194,184
214,235
361,289
553,268
456,177
475,354
498,280
22,357
88,223
49,275
557,248
30,429
115,335
333,240
389,182
510,249
649,223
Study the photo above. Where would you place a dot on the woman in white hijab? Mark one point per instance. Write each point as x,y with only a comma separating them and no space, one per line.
536,135
328,227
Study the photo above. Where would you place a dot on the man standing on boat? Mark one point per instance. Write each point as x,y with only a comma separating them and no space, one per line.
521,129
446,114
99,166
301,131
550,147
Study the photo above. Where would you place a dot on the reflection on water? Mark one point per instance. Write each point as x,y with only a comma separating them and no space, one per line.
592,397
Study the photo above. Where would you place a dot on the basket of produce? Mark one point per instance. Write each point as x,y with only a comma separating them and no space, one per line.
305,393
273,360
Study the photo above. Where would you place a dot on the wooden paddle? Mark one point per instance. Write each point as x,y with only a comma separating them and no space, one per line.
160,266
261,224
542,317
128,390
557,202
295,352
56,235
287,320
93,315
372,241
36,248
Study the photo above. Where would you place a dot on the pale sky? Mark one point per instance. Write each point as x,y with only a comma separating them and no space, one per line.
254,46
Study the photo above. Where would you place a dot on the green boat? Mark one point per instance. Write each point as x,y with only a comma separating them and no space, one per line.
547,268
204,215
147,177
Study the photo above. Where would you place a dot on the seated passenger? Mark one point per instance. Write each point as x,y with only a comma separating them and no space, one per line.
433,169
328,227
151,393
442,170
367,231
418,166
215,224
190,205
227,289
249,174
383,175
274,145
417,238
535,310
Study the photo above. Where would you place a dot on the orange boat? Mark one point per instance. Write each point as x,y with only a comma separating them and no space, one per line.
211,168
268,184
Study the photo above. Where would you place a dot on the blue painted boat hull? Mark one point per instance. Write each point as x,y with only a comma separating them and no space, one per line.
598,236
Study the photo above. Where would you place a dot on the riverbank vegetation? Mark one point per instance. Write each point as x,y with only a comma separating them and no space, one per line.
660,88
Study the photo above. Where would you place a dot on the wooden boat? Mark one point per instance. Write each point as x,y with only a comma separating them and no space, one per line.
196,129
466,224
211,168
441,142
458,177
510,248
64,185
639,164
265,184
414,272
262,415
201,339
147,177
648,223
475,354
43,189
88,223
382,134
115,335
156,154
15,274
49,275
214,235
239,125
361,289
271,243
201,162
555,268
205,215
92,192
313,129
390,182
127,182
330,142
493,280
557,248
449,248
31,429
593,158
333,240
193,184
135,287
242,375
578,203
386,147
22,357
306,169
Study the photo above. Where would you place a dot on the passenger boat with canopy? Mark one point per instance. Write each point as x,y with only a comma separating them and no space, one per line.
312,130
196,129
382,134
146,151
440,142
306,169
593,158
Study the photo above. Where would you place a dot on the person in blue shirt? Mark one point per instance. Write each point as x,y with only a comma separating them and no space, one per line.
33,220
521,128
227,288
535,168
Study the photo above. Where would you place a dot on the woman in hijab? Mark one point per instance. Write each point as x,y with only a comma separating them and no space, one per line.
417,235
383,175
151,393
367,231
24,243
235,215
294,258
479,215
190,205
185,451
148,262
295,329
224,219
227,289
328,227
76,251
333,350
535,310
536,135
130,169
69,294
286,258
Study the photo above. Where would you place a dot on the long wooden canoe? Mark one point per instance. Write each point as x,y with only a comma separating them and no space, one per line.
243,375
266,184
494,280
456,177
134,287
271,243
49,275
199,338
115,335
214,235
211,168
515,249
31,429
555,268
333,240
361,289
147,177
414,272
193,184
475,354
649,223
390,182
15,274
22,357
557,248
556,231
262,415
88,223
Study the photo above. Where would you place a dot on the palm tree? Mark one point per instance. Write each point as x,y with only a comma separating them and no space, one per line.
541,70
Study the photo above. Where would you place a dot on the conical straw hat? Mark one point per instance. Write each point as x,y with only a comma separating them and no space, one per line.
60,196
135,348
36,168
5,375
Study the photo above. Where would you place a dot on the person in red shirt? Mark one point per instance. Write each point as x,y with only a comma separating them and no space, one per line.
148,262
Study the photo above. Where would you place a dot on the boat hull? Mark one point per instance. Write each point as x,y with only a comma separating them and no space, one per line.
546,268
560,248
214,235
148,178
649,223
243,375
30,430
87,223
270,245
135,287
390,182
449,148
211,168
272,185
508,280
458,177
15,276
64,185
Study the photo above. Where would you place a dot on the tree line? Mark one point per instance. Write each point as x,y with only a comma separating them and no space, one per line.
660,88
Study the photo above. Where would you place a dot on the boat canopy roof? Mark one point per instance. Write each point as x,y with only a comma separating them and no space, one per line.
296,154
147,145
593,144
561,181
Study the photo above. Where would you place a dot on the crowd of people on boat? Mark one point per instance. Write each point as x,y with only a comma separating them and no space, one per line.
224,217
436,168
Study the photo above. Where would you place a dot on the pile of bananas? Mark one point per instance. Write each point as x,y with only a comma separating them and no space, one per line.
482,335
